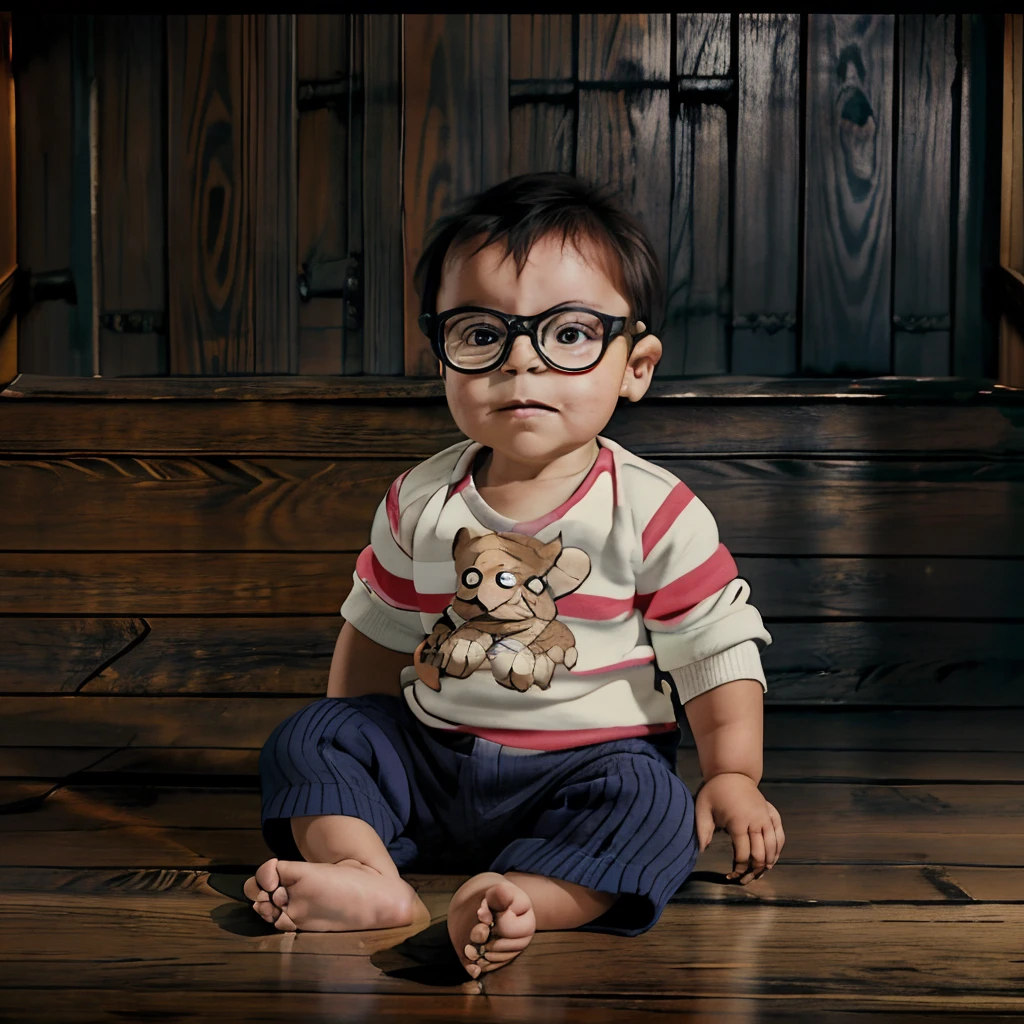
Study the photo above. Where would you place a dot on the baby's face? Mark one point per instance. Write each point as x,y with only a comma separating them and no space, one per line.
581,404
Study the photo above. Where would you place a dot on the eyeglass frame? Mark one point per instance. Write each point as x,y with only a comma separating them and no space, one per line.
431,325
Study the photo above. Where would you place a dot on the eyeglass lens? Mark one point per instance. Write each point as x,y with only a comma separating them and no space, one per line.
569,338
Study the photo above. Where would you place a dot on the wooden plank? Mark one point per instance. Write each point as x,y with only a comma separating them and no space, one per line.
623,142
182,762
8,206
975,341
245,722
540,47
322,49
656,427
42,74
49,762
131,83
793,507
697,309
767,213
277,655
989,883
924,157
456,134
59,655
383,271
979,392
848,217
1011,235
621,48
182,583
543,137
703,45
816,662
232,193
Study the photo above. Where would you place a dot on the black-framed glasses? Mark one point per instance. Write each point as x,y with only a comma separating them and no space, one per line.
474,339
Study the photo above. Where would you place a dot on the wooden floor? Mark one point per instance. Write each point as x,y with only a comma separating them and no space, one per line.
900,895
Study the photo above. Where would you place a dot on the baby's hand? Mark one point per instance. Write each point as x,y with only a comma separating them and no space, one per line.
733,802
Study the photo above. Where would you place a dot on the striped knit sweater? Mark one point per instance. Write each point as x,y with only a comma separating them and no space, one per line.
625,590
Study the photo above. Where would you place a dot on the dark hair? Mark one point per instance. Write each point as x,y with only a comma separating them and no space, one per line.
529,207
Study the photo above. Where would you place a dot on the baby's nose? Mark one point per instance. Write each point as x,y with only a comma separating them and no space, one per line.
522,354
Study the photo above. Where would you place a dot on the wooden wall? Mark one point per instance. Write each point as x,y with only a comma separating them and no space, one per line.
174,553
822,189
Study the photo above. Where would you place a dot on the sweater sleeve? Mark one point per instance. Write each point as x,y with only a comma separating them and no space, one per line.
382,603
703,630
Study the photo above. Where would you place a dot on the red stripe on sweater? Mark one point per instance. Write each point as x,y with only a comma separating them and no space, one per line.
391,504
396,590
672,602
668,511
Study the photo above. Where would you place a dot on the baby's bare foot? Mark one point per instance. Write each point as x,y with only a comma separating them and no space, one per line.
348,896
490,922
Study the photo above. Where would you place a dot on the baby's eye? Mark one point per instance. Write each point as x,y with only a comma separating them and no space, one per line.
472,577
483,336
572,334
506,580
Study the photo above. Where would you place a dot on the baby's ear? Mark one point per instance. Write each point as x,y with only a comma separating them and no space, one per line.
463,536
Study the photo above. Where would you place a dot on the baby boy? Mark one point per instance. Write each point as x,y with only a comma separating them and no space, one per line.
537,609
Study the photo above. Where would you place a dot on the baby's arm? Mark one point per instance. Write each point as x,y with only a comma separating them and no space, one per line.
361,665
727,725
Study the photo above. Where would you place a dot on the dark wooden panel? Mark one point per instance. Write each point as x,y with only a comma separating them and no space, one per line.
9,206
904,663
277,655
59,655
232,193
848,225
767,212
652,428
383,272
775,506
924,157
623,141
245,722
456,134
176,583
703,45
624,48
543,137
42,69
698,305
53,762
974,330
322,55
131,84
541,47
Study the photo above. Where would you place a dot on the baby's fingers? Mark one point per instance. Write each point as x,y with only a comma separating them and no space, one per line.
741,853
757,857
780,835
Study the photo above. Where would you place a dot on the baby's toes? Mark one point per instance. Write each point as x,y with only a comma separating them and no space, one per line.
279,896
267,910
252,889
480,933
284,923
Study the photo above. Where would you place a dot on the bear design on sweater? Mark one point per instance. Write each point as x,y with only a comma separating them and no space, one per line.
504,611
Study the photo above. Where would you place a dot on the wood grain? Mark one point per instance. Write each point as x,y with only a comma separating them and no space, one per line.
232,193
771,506
456,134
703,45
543,137
921,268
131,82
42,92
623,142
765,261
245,722
620,48
975,341
848,222
59,655
541,47
653,428
383,272
698,298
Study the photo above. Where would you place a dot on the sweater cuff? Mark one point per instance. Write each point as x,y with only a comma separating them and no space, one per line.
368,613
740,662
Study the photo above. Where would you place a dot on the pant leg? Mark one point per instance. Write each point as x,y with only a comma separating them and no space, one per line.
345,756
618,820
